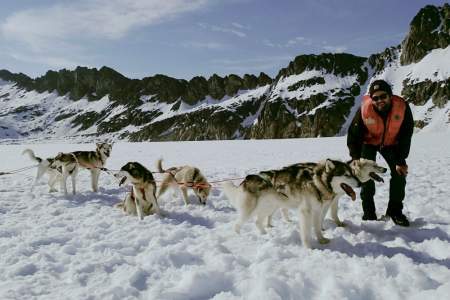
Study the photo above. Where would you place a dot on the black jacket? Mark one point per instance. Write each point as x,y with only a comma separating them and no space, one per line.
357,130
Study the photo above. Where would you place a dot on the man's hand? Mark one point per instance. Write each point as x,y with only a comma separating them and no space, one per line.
402,170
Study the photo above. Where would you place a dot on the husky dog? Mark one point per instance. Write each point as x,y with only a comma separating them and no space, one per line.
183,178
255,196
94,161
68,163
306,188
364,170
58,169
141,201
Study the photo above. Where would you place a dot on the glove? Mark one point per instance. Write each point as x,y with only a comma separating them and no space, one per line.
402,170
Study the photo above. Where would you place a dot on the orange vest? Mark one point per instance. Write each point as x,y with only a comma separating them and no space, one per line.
376,133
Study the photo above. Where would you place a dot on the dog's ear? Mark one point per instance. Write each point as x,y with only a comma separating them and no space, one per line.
329,165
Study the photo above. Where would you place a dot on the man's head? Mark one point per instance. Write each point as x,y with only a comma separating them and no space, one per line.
380,91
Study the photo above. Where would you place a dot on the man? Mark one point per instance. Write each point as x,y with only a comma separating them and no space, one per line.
383,124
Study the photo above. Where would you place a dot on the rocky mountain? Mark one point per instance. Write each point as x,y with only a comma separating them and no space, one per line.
315,95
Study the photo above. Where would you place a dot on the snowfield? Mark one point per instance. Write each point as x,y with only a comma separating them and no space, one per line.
82,247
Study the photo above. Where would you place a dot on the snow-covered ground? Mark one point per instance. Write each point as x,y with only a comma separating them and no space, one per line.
81,247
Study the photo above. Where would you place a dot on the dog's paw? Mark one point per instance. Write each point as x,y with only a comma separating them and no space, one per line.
262,231
341,224
324,240
163,214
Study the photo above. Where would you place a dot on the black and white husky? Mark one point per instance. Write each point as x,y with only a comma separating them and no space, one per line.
309,188
183,178
58,168
141,200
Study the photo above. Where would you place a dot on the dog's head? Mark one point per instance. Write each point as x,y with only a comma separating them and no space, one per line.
104,148
365,169
340,177
134,173
201,190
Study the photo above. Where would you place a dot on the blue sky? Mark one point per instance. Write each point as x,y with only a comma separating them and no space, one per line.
187,38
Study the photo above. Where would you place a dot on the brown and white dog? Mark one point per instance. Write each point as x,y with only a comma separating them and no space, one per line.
183,178
141,200
94,161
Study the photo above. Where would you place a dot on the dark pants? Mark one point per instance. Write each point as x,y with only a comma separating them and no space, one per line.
396,187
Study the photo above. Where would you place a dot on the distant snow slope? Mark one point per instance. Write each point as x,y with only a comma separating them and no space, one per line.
435,66
81,247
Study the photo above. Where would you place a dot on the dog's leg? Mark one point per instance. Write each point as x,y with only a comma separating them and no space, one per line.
40,172
334,213
95,174
138,201
317,220
129,206
269,221
53,178
152,197
242,218
285,214
185,194
64,180
305,225
260,218
164,185
74,177
324,211
245,206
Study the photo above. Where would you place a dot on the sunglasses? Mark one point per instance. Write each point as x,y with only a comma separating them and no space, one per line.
380,97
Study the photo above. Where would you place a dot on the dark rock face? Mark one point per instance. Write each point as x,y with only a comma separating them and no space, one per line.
207,124
430,29
320,113
420,93
382,60
333,63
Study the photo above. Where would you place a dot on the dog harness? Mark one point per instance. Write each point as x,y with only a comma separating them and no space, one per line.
134,197
381,132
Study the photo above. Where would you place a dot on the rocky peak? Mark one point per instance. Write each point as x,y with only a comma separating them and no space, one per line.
334,63
21,79
430,29
380,60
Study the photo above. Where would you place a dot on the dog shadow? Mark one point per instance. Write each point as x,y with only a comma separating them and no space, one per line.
108,197
375,249
416,234
178,218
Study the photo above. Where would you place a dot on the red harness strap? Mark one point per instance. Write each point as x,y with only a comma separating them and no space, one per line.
134,197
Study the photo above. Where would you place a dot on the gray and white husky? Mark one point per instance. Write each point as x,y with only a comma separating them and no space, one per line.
141,200
58,168
310,188
183,178
94,161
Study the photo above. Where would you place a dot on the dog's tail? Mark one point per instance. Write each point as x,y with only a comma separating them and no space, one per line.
231,191
159,166
31,155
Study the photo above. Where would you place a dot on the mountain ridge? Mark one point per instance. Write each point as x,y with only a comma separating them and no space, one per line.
314,95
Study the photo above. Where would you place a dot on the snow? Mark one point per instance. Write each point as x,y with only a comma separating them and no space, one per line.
331,82
435,66
82,247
